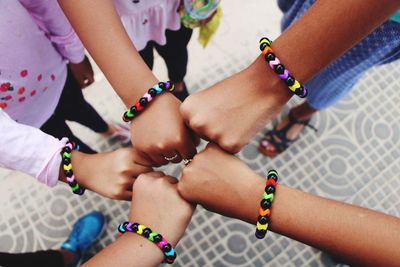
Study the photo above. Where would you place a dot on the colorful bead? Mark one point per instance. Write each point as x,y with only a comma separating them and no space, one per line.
279,68
152,92
265,204
157,89
268,196
146,232
143,101
270,189
263,219
166,248
67,168
265,211
140,229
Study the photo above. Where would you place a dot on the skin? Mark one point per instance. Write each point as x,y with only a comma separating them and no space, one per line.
159,131
83,72
359,236
110,174
231,112
153,196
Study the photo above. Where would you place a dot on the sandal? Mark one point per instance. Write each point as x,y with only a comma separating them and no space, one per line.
278,138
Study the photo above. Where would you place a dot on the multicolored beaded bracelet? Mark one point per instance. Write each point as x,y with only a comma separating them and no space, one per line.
276,65
67,168
156,238
266,203
157,89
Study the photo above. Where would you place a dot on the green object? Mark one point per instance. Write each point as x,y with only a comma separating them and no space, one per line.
268,196
396,16
129,113
207,31
75,188
152,235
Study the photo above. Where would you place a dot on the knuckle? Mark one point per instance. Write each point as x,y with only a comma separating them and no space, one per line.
116,193
196,122
182,190
229,145
159,146
185,108
185,174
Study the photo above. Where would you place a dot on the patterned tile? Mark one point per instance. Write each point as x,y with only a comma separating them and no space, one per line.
357,147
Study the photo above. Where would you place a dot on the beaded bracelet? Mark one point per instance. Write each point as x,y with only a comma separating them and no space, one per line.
284,74
146,99
67,168
266,203
156,238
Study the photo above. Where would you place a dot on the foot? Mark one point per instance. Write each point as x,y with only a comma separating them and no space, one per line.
119,132
84,233
283,135
181,91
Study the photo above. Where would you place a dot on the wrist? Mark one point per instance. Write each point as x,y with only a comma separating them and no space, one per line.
155,93
138,91
167,227
267,84
79,163
252,197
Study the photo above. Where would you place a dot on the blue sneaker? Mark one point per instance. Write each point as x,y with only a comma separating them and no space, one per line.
84,233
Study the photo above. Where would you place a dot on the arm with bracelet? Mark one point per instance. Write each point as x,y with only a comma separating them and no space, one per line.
158,219
356,235
47,159
231,112
159,131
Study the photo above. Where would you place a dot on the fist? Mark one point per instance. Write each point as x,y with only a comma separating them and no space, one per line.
220,182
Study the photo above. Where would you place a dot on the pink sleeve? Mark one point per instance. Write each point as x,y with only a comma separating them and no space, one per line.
51,19
29,150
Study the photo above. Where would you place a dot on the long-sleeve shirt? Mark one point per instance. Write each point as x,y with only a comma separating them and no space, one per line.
36,42
29,150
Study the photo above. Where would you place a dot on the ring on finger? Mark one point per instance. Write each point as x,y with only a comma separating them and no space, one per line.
187,161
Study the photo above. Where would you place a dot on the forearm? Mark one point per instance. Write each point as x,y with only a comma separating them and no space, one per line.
326,31
357,235
100,29
130,250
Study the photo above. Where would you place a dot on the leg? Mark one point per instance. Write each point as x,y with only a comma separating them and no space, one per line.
147,55
48,258
57,127
73,106
175,54
287,131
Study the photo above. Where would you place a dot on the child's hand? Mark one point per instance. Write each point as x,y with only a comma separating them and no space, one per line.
160,132
220,182
231,112
109,174
83,72
157,204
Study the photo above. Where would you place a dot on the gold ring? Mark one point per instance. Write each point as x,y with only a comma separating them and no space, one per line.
187,161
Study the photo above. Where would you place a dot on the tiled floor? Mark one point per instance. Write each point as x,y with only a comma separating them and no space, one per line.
356,148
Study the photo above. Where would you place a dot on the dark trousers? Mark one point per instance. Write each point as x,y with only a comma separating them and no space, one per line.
174,53
73,107
48,258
